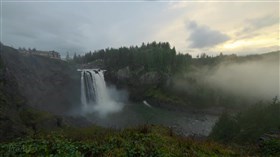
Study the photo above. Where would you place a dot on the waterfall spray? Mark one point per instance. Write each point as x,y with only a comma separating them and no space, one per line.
94,93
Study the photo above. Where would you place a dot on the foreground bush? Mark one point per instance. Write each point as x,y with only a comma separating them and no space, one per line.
142,141
258,125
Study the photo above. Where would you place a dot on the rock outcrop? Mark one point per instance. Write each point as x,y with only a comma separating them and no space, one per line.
48,84
30,86
11,102
137,82
123,74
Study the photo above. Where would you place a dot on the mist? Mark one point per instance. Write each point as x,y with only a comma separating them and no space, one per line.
256,79
96,97
116,102
113,103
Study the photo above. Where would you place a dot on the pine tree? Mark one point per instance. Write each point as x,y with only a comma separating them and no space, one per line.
67,57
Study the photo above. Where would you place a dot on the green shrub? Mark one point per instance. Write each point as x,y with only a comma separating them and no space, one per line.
271,148
129,142
248,125
226,129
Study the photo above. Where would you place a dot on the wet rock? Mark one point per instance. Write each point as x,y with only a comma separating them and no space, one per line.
136,81
124,74
96,64
150,78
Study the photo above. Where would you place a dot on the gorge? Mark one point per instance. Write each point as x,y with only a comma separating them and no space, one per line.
41,95
99,107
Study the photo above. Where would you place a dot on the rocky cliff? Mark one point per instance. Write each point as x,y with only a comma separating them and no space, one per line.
11,102
138,82
30,86
48,84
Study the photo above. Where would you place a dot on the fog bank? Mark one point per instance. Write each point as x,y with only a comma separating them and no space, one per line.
254,79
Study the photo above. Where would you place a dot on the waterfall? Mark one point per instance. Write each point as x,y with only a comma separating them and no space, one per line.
94,93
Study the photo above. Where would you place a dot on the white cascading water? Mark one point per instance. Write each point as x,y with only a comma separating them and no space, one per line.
94,93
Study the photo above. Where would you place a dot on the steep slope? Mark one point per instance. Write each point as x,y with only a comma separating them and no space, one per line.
48,84
32,85
10,104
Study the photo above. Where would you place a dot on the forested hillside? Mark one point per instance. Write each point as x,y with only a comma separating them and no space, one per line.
157,73
152,57
43,133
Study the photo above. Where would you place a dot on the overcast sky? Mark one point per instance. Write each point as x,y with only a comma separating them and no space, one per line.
192,27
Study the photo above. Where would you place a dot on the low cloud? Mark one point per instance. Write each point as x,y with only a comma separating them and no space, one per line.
255,80
204,37
249,79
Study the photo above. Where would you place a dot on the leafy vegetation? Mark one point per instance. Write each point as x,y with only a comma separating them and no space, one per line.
248,126
270,147
251,125
95,141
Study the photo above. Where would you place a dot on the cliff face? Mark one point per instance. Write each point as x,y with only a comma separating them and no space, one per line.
11,103
31,85
137,82
47,84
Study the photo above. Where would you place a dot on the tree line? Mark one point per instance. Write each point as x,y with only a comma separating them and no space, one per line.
151,56
154,56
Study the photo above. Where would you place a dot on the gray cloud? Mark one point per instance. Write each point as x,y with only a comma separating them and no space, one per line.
264,21
78,27
253,25
204,37
84,26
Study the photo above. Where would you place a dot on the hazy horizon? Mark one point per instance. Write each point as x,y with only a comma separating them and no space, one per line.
241,28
